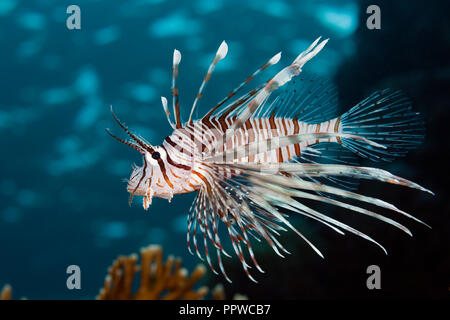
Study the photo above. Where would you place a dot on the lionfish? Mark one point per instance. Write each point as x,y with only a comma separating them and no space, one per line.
253,159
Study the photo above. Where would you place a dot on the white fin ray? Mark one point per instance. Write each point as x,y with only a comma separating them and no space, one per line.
329,169
296,206
295,193
220,54
167,111
259,198
307,185
175,96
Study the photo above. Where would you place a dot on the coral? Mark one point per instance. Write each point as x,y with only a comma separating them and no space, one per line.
158,280
6,293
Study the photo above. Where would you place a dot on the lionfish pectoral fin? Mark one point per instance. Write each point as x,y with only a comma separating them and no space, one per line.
285,185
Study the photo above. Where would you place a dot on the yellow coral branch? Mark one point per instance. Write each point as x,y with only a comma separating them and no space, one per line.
158,279
6,293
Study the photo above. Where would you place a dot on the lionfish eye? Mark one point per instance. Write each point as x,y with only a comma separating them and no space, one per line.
156,155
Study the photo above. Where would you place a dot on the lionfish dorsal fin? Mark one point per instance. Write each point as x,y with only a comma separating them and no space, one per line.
272,61
167,111
220,54
280,79
175,98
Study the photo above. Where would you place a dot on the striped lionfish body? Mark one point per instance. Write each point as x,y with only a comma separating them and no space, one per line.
252,160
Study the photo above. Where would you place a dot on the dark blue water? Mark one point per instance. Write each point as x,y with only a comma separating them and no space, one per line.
62,199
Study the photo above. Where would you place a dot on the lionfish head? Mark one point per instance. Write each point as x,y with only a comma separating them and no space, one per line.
140,180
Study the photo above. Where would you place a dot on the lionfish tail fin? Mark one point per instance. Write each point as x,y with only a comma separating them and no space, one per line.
385,117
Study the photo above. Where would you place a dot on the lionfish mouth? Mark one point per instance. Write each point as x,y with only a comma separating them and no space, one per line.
135,192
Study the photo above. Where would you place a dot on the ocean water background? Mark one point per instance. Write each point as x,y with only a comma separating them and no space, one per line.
62,199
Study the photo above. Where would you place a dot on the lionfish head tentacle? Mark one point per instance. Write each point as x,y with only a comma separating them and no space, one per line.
130,144
139,141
